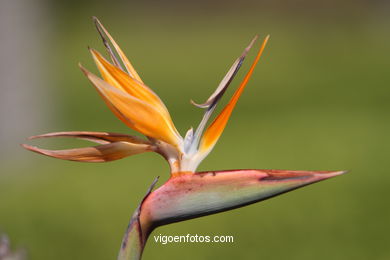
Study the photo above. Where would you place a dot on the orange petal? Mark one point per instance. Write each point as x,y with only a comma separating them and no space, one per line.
101,153
216,128
133,73
119,79
135,113
97,137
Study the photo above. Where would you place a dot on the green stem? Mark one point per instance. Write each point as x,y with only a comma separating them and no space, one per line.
134,240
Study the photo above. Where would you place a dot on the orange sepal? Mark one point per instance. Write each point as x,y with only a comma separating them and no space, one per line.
100,153
133,73
121,80
136,113
97,137
216,128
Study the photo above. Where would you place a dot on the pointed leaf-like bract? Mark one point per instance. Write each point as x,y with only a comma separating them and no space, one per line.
191,195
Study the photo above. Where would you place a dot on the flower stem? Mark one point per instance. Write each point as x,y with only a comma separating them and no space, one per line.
137,233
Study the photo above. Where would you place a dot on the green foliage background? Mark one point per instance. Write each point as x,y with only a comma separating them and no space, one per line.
319,100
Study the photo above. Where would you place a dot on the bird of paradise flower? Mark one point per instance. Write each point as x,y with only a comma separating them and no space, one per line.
187,194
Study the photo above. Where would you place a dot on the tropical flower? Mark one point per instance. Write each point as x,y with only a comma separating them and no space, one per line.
136,105
187,194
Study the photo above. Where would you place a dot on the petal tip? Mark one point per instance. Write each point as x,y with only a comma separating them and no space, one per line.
32,137
30,147
80,66
84,70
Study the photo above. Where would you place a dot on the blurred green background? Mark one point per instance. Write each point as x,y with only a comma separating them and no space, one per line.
318,100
